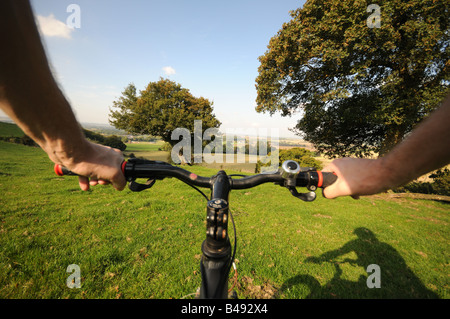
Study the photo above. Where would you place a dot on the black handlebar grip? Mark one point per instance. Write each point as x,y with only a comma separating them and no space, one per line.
61,170
327,179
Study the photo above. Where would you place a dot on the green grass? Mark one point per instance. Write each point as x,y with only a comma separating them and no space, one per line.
147,150
9,129
147,245
143,147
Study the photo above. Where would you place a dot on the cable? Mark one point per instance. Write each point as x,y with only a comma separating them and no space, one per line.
234,252
235,237
235,278
198,190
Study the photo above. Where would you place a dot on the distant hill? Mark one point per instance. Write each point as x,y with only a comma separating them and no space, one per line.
103,129
10,130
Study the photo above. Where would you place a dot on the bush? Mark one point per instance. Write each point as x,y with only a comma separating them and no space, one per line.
111,140
166,147
24,140
115,142
439,186
302,156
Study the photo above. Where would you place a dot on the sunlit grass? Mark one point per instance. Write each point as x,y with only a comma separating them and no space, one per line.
147,245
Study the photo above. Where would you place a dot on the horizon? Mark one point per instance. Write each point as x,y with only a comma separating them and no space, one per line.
87,125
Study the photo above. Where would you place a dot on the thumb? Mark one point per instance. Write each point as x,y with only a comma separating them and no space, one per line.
331,191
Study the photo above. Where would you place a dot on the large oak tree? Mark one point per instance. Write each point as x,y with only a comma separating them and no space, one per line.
161,108
358,87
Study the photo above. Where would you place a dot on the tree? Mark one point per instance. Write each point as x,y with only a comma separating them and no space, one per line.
115,142
360,88
161,108
301,155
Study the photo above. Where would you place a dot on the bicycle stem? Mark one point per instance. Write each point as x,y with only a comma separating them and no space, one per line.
216,259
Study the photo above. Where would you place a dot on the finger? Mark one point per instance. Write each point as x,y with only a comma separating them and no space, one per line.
84,183
328,192
93,182
335,189
119,182
103,182
119,185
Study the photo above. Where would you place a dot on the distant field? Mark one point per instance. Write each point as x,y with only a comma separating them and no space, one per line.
143,147
9,129
147,150
150,151
239,163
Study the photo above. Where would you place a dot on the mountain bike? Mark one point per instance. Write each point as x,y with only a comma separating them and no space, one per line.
217,254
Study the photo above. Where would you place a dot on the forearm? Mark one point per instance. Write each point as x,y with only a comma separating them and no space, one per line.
425,150
31,97
28,91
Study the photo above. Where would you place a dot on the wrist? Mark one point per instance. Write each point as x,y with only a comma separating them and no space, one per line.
391,174
67,151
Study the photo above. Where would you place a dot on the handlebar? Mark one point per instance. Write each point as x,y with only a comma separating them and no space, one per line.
217,256
290,175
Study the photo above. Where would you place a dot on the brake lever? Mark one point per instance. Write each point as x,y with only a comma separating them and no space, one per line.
289,171
137,187
307,197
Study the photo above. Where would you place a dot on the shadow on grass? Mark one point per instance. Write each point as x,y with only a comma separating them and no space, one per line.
396,278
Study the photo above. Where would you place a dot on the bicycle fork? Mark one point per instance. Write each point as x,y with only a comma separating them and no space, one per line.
216,259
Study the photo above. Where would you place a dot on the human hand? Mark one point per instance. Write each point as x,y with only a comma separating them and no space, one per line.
356,177
97,164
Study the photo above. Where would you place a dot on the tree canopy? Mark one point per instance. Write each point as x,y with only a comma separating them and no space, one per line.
161,108
302,156
358,88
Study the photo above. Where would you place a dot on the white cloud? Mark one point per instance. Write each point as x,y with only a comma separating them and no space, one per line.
52,27
168,70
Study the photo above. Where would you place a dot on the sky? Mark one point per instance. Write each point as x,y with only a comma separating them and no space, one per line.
209,47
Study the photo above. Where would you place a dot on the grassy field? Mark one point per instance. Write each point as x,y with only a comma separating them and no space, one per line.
9,129
147,245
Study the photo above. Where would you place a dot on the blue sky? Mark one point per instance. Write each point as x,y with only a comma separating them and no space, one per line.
209,47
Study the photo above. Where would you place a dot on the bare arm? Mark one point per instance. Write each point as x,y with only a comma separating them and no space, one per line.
426,149
31,97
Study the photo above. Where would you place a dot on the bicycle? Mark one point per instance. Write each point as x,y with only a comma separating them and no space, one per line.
217,254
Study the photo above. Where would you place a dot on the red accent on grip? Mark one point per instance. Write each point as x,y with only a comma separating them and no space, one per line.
58,170
123,167
320,181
